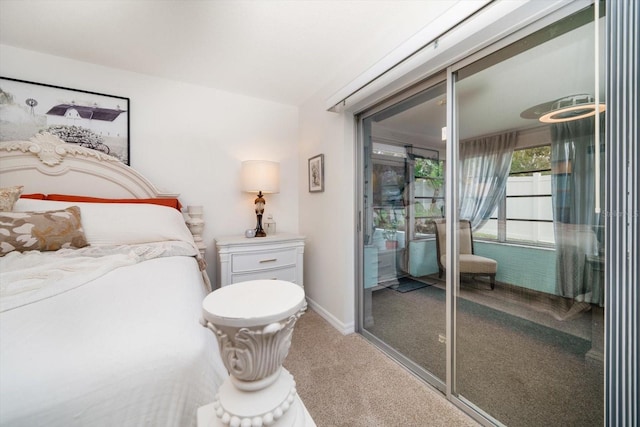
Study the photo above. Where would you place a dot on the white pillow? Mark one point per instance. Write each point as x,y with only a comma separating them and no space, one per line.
120,223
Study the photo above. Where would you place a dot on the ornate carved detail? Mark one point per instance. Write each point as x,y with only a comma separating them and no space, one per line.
259,391
254,354
51,150
266,419
196,226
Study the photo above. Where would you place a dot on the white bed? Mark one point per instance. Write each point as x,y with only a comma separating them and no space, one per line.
82,345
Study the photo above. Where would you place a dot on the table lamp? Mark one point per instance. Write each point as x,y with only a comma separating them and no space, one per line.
260,176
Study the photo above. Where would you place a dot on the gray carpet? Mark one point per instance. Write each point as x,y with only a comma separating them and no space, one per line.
344,381
520,372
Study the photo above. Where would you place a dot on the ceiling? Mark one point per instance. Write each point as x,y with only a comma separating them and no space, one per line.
284,51
287,50
493,99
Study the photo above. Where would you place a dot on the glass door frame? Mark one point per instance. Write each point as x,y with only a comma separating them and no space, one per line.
448,75
452,278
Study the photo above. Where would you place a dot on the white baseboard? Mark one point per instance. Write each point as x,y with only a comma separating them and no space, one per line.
343,328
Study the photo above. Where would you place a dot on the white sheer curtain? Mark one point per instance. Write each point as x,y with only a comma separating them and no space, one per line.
485,165
576,224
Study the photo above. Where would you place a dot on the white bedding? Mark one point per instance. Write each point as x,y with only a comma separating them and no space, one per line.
26,277
110,334
125,349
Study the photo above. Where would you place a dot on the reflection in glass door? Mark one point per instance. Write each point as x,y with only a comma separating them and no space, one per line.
403,193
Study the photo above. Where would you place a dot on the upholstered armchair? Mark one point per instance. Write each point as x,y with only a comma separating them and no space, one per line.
470,264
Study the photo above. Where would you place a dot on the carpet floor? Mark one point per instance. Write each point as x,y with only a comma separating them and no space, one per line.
344,381
520,372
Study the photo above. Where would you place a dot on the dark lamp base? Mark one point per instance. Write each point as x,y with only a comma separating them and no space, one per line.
259,230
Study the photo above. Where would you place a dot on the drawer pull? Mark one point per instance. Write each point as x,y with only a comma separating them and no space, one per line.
268,260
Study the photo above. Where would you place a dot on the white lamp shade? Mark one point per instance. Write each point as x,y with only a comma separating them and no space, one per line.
260,175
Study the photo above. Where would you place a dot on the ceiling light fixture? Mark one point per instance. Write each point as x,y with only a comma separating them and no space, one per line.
574,107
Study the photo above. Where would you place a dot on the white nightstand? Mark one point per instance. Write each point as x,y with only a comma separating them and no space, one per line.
273,257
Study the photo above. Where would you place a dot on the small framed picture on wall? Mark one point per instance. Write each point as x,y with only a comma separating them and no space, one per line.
316,173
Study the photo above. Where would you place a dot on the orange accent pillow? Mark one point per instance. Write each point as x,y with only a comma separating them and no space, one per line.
37,196
163,201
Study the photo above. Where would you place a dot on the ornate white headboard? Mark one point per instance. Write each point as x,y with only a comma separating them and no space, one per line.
46,164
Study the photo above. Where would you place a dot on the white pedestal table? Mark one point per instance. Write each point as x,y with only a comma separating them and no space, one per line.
253,322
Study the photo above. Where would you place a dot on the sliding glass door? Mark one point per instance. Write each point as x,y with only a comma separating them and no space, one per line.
403,193
482,254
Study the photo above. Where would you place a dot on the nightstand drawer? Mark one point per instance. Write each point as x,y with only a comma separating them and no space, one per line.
263,260
288,274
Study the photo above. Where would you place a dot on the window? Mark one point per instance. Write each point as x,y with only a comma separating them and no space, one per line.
428,194
525,211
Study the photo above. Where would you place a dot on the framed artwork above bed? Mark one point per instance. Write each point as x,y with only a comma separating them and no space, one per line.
90,119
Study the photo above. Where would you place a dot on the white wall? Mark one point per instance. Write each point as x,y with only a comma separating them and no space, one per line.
189,139
327,218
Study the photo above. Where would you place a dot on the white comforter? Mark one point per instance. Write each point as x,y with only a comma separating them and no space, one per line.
26,277
123,349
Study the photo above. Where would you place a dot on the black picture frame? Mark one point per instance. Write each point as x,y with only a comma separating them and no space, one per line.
91,119
316,173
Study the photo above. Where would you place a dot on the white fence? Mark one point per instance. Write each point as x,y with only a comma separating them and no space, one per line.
525,208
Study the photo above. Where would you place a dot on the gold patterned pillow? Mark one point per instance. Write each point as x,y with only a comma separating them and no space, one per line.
41,231
8,197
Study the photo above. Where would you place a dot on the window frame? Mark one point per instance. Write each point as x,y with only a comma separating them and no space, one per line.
502,220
